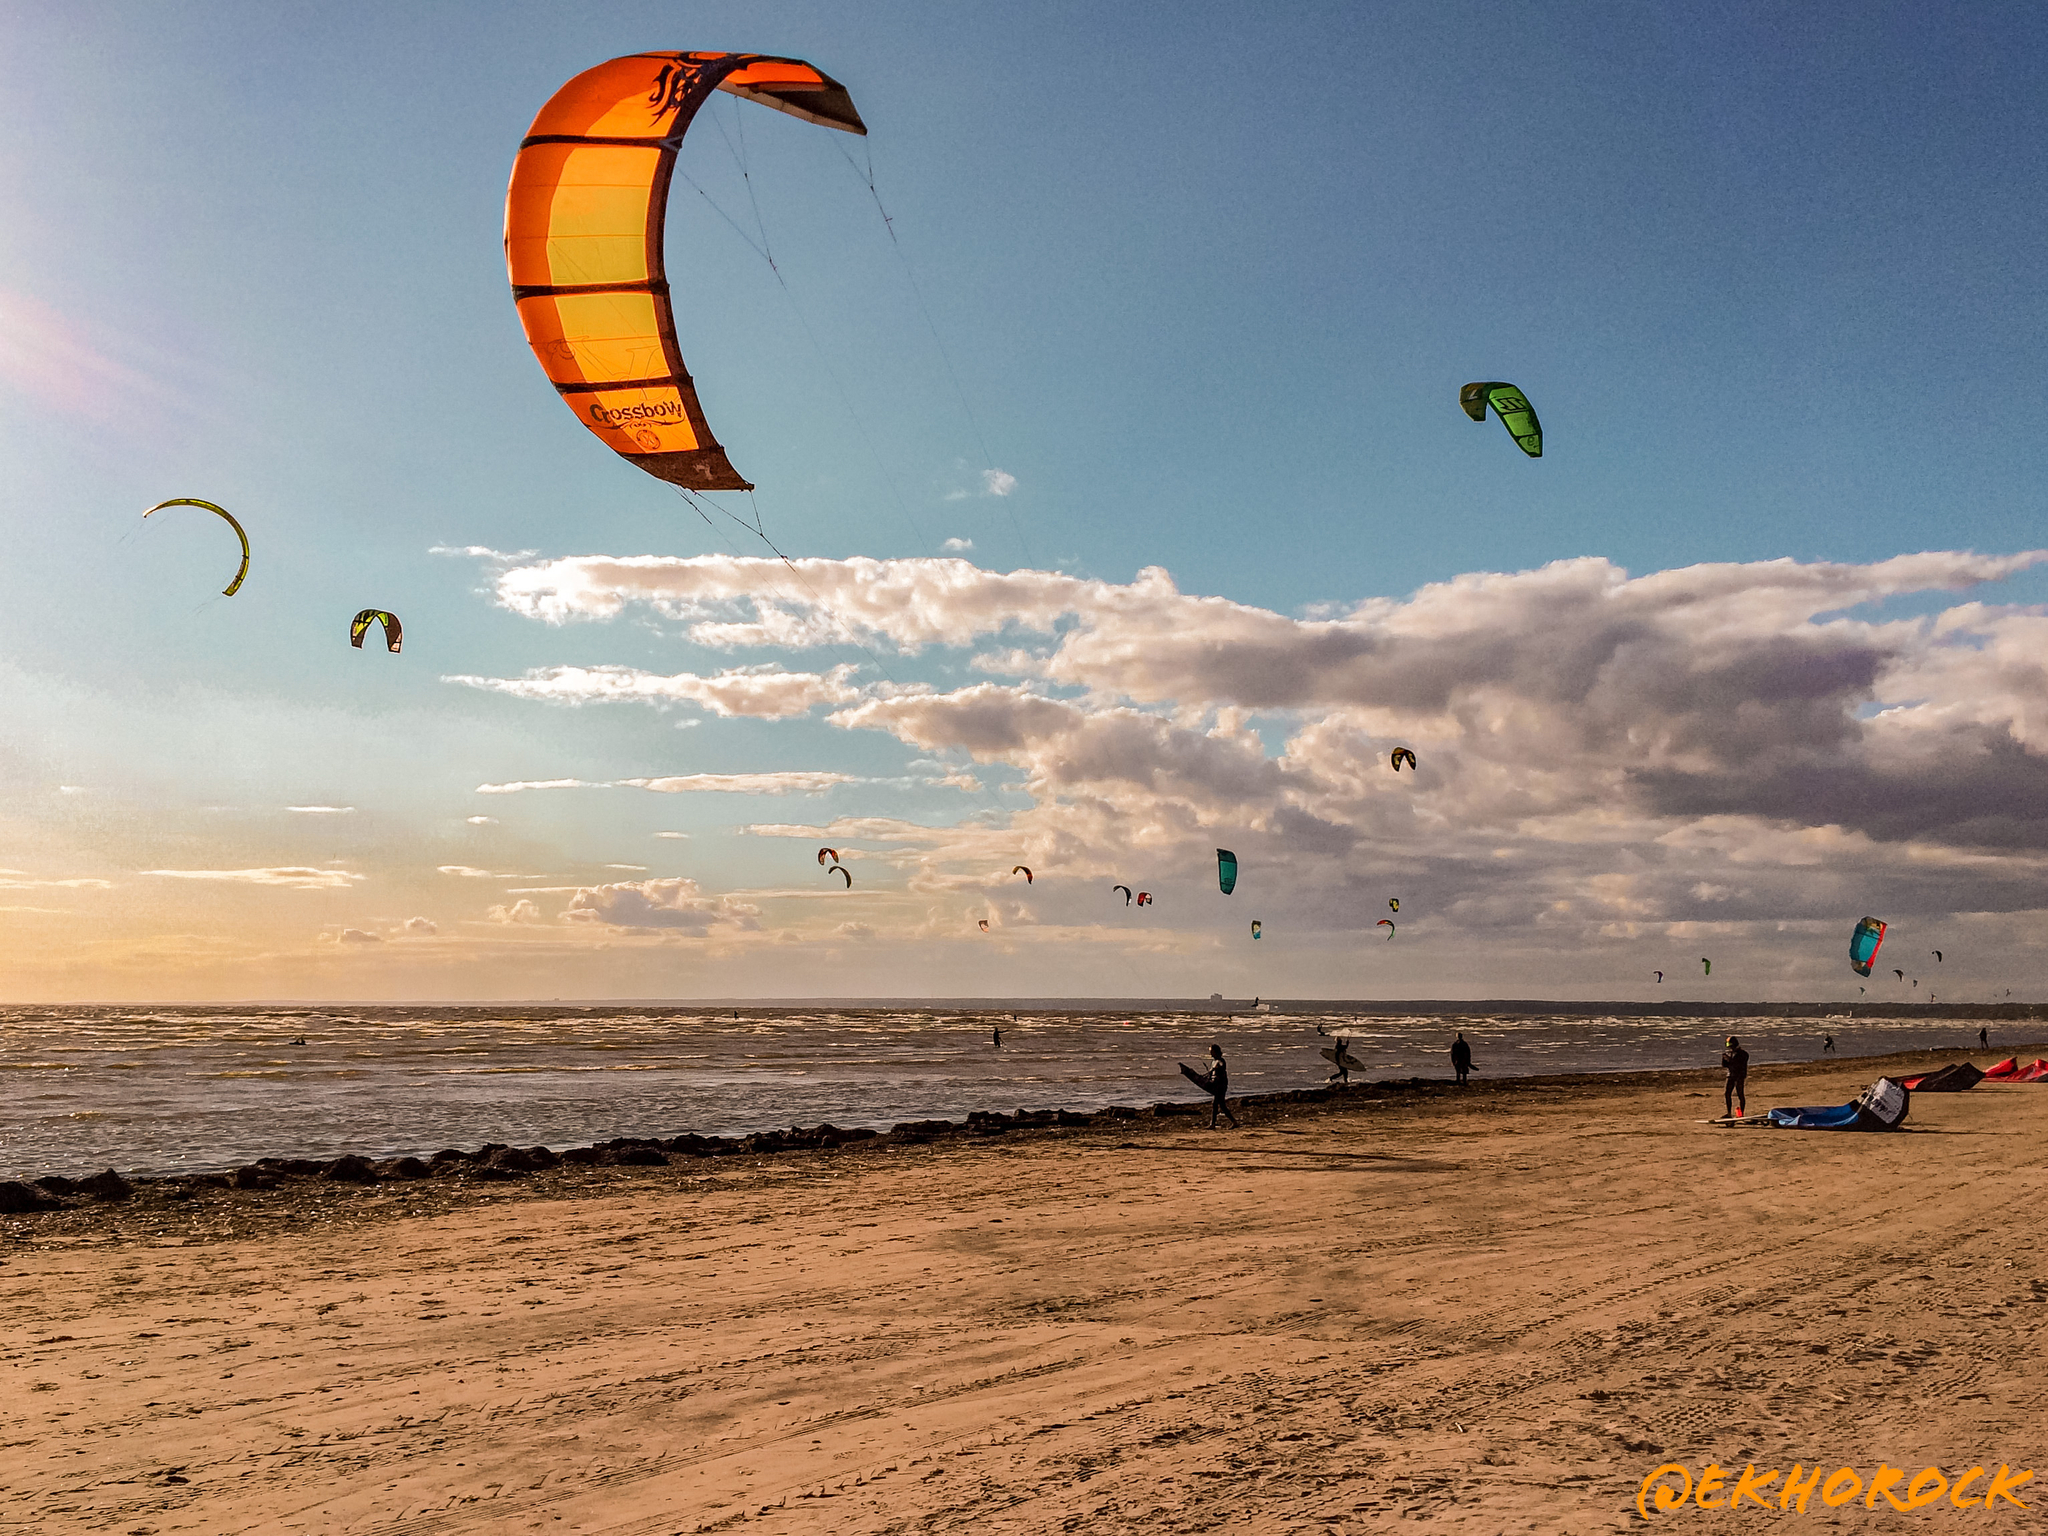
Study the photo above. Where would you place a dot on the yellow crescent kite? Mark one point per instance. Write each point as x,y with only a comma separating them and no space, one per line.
193,501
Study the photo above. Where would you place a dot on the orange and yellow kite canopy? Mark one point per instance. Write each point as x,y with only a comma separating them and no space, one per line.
583,226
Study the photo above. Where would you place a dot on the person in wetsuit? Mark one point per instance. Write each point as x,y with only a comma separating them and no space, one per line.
1461,1057
1219,1088
1827,1043
1735,1062
1984,1037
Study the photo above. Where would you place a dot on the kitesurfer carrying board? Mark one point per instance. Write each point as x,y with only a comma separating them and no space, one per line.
1216,1082
1461,1057
1735,1062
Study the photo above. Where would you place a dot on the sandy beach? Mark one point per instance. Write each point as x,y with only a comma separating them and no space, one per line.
1495,1310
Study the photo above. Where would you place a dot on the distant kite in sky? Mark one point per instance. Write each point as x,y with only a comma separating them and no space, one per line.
1393,903
1384,923
1708,964
828,853
844,873
1513,408
1024,871
1256,927
1226,870
1864,944
221,512
1659,975
984,925
1402,755
394,634
1126,890
1144,898
1937,956
583,242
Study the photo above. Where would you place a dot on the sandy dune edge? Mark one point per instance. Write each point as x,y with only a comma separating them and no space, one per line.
1497,1311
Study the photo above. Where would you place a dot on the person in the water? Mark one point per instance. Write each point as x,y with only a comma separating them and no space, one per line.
1827,1043
1461,1057
999,1037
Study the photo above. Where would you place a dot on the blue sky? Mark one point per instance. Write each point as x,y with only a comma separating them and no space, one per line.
1208,290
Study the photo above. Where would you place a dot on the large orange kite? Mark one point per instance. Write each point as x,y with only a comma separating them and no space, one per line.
583,224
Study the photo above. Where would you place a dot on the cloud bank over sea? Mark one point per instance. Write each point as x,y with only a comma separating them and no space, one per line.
1723,751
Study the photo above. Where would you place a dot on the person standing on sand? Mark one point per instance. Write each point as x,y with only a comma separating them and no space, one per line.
1735,1062
1461,1058
1984,1038
1219,1087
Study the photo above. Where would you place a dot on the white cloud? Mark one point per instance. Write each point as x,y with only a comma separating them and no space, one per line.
469,872
521,911
289,878
358,936
71,789
762,693
418,928
789,782
482,821
680,835
632,868
957,546
796,781
1597,751
997,482
665,904
15,880
322,810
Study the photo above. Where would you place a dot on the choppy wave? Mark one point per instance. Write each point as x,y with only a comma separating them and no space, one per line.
166,1090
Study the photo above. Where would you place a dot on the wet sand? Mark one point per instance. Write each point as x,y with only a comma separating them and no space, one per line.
1495,1310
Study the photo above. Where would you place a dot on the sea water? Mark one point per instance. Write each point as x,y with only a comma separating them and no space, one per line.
195,1089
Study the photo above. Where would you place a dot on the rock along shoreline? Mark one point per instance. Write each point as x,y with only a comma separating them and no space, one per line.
457,1171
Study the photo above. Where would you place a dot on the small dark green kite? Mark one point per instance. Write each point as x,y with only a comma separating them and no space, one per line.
1513,408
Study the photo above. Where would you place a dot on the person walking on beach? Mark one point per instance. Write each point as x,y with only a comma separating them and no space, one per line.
1735,1062
1984,1037
1461,1058
1217,1081
1827,1043
999,1037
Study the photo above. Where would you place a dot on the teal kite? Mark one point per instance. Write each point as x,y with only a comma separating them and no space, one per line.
1226,870
1513,408
1256,927
1864,944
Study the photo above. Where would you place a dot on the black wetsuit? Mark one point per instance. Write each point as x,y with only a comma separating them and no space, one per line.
1219,1089
1736,1064
1461,1057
